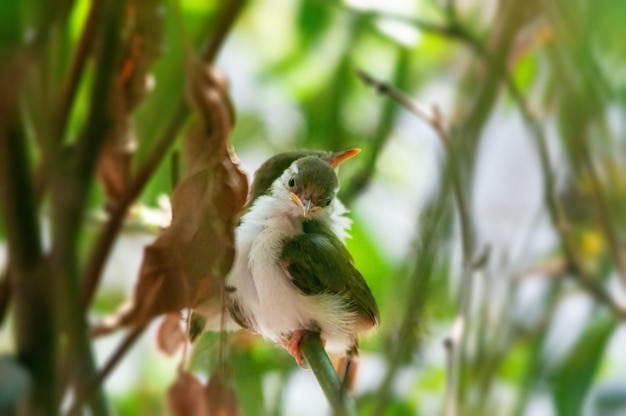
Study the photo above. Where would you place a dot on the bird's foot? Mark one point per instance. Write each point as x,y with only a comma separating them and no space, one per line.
293,345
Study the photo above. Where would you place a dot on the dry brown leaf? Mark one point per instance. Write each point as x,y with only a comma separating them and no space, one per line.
186,397
171,335
189,261
220,397
115,160
143,39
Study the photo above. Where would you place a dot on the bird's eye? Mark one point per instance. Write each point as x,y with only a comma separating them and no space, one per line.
292,182
328,202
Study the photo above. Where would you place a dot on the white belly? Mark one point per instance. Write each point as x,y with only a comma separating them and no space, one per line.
264,290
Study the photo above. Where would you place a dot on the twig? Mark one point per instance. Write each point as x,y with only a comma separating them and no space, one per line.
100,251
361,180
434,119
313,352
456,30
403,100
557,215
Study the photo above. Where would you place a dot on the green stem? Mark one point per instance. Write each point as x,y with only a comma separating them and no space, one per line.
313,352
27,278
71,181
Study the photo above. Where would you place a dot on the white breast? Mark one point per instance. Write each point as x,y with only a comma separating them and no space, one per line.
263,290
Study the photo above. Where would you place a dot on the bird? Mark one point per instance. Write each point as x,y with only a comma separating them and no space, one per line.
292,273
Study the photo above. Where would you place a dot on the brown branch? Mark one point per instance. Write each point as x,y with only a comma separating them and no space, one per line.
100,251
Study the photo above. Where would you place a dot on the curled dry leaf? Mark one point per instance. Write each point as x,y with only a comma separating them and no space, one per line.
220,397
143,39
189,261
171,336
186,397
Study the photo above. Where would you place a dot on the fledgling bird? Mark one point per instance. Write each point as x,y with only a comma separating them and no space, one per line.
292,273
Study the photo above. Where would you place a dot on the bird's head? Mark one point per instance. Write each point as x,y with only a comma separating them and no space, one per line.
310,184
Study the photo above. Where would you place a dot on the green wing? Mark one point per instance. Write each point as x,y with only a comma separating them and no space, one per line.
318,262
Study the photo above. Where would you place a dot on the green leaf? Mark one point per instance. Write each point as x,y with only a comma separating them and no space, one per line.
10,26
574,376
313,20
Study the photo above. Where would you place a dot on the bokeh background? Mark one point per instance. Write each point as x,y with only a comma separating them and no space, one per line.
496,252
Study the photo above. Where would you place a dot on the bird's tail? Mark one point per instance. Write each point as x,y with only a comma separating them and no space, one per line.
346,368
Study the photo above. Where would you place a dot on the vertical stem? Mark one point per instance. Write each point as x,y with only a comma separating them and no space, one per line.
82,52
434,216
70,184
34,315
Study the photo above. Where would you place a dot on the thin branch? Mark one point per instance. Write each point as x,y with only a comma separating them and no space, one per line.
386,89
455,30
434,119
557,215
361,180
313,352
100,251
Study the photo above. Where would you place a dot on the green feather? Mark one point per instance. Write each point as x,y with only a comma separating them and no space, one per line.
318,263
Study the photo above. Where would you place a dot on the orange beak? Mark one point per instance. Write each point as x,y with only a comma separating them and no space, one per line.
338,158
306,206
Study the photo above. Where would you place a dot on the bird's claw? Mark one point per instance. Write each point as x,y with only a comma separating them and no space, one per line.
293,346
